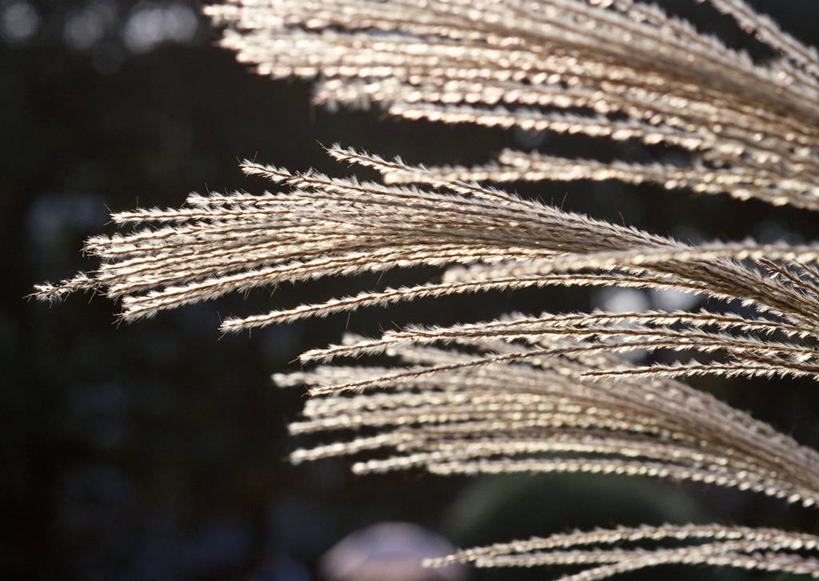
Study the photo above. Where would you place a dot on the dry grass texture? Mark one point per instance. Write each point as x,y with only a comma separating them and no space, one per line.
548,393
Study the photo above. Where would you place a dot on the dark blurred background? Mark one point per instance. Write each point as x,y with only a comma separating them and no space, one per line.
157,450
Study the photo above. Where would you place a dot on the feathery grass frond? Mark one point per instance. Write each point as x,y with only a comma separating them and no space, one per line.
535,394
742,547
545,393
750,127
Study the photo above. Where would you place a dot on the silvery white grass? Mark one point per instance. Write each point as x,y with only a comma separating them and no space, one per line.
547,393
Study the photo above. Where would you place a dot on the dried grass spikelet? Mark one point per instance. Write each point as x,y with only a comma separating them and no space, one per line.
545,393
614,69
741,547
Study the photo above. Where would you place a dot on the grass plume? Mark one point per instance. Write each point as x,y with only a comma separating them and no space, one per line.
545,393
